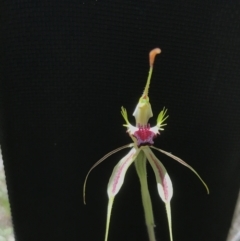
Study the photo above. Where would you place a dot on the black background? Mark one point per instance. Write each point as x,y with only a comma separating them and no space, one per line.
66,69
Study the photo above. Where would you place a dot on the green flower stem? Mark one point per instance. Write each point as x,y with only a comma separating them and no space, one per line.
140,164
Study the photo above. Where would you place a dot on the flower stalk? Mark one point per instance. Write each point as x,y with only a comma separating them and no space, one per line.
141,169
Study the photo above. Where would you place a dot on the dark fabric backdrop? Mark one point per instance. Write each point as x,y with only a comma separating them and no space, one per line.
66,69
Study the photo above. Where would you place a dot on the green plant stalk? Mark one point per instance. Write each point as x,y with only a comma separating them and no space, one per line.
141,168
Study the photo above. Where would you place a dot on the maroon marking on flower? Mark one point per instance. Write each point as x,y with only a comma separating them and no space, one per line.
144,135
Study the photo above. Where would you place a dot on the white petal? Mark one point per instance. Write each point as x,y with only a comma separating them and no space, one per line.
183,163
119,171
116,181
164,183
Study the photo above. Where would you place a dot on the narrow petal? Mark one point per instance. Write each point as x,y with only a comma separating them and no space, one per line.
183,163
164,184
100,161
116,181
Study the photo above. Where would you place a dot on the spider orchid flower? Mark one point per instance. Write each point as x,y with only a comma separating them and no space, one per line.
142,135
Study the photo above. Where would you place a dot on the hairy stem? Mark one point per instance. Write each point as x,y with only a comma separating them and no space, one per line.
140,164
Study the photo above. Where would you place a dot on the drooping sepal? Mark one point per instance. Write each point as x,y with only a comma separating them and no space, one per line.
100,161
116,182
183,163
164,183
117,178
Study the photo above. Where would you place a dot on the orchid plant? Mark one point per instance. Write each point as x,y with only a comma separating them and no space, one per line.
142,135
